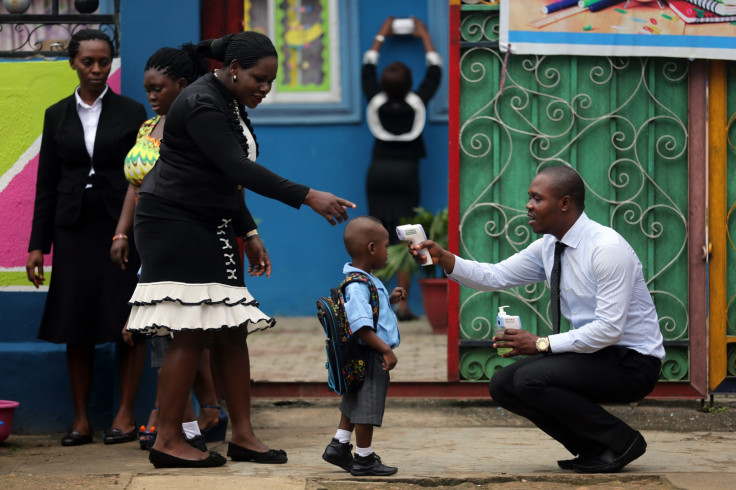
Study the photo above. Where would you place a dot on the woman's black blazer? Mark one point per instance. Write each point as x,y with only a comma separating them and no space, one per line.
64,164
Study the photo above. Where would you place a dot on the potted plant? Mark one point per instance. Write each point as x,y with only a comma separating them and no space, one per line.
433,284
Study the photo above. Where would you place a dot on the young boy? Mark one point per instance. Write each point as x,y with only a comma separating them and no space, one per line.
366,241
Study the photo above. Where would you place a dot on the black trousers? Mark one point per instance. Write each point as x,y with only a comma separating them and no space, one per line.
560,394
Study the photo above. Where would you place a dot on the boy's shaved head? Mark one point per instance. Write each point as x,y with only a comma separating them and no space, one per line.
359,232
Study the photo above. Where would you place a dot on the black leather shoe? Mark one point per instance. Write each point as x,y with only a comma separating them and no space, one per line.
339,454
117,436
371,466
163,460
608,462
75,438
569,464
272,456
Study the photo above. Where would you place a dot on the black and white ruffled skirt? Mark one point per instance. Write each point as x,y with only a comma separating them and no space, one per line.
192,274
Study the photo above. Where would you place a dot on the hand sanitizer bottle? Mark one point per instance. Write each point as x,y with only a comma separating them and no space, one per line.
503,322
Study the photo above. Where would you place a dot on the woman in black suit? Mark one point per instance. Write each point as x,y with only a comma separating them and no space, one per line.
79,193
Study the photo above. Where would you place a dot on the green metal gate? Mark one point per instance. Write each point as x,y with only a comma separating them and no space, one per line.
622,123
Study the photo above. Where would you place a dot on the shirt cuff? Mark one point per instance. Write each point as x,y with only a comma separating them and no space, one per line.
433,58
560,342
370,57
460,271
362,325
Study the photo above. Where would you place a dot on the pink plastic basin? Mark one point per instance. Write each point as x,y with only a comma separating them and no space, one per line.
7,410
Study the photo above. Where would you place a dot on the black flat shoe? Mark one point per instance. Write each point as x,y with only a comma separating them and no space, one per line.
75,438
608,462
116,436
163,460
218,431
272,456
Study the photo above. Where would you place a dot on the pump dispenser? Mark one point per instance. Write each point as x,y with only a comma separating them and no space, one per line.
503,322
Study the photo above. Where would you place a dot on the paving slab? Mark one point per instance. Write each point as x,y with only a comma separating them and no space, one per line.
294,350
435,443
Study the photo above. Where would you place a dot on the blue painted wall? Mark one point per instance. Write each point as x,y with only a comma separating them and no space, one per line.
307,253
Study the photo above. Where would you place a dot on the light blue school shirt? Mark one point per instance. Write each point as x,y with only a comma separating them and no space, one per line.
602,288
360,314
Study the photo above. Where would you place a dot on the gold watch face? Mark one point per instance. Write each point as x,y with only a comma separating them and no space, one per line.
542,344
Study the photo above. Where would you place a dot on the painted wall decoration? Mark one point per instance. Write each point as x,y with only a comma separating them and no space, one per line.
26,90
671,28
305,35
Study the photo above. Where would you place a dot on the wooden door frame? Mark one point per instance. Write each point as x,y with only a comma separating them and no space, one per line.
717,220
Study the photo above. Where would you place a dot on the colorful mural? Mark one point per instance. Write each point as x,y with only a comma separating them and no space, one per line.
26,89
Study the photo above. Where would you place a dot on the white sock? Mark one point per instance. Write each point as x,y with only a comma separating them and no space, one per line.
343,436
191,429
364,451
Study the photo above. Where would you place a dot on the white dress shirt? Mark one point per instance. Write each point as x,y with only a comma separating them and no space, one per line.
602,288
90,117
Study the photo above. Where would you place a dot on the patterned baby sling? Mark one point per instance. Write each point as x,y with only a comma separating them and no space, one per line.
347,359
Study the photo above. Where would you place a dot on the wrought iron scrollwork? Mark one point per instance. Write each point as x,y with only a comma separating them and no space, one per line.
30,29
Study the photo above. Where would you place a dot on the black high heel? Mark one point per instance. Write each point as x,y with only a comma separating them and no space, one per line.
218,431
147,436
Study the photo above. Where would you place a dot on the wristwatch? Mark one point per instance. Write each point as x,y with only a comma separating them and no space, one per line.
543,344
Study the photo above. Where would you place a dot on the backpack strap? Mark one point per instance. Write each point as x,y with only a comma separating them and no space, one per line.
373,297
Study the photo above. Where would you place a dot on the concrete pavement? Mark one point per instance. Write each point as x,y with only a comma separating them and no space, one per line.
294,350
435,443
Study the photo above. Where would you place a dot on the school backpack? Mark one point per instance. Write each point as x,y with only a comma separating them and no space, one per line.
347,359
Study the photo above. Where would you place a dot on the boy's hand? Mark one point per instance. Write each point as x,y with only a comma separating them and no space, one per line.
389,360
398,294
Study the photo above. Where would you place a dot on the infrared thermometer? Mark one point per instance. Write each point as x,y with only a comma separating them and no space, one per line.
414,234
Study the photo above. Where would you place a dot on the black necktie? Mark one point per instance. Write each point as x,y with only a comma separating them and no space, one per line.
554,288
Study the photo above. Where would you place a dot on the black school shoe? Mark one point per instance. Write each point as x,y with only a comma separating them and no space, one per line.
371,466
608,462
339,454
